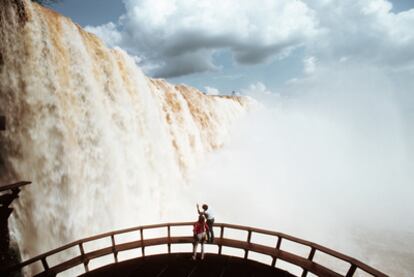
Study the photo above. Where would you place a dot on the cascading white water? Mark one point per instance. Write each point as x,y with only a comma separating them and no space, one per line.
107,148
104,146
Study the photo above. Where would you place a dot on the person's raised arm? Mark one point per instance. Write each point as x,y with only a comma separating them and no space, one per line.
198,209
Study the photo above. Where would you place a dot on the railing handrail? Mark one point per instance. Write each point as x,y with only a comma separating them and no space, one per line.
307,264
14,186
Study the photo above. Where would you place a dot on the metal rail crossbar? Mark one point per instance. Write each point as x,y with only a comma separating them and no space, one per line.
275,252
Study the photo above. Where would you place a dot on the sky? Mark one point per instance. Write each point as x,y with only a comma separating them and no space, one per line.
221,46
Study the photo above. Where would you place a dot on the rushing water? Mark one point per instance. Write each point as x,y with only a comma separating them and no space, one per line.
104,146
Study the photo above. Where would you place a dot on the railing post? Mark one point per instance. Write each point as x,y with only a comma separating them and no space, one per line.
278,243
246,253
311,254
114,248
44,263
273,262
249,237
142,242
221,237
84,260
351,271
310,258
169,238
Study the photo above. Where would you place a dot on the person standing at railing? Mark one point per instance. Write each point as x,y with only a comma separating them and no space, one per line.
200,229
206,212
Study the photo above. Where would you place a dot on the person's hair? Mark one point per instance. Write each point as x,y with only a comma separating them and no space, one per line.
201,219
205,207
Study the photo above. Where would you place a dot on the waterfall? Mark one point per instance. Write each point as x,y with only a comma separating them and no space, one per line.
105,146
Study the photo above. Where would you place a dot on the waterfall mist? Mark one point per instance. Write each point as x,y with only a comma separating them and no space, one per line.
330,159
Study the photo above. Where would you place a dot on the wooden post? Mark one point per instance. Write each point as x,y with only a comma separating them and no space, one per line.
273,262
169,239
249,237
114,248
84,259
279,242
142,242
44,263
221,237
351,271
310,258
311,254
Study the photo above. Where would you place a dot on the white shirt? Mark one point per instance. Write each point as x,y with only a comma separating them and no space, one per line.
208,214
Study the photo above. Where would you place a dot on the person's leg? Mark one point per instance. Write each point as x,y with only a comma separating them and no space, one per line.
208,232
195,250
202,250
210,236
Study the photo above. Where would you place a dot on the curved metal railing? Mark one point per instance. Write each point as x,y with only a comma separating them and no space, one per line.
306,263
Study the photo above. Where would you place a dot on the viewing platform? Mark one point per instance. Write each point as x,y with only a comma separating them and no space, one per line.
158,250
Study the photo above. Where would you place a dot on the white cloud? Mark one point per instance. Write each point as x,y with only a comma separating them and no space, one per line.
365,32
179,37
309,65
260,92
108,32
258,87
212,91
